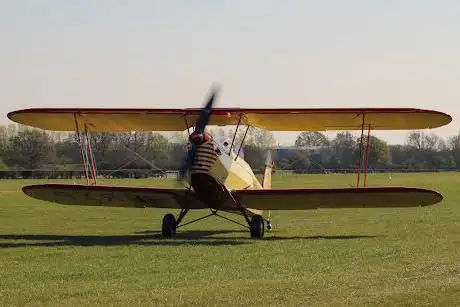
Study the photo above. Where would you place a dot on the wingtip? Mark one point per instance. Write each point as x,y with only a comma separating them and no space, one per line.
10,115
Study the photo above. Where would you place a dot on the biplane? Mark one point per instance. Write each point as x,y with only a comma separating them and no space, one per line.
217,177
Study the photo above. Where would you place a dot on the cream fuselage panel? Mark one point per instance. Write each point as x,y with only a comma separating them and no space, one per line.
229,169
234,173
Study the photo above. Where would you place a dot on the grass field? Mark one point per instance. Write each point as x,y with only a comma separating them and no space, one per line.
63,255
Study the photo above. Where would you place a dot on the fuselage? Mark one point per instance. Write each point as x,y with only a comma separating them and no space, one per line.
216,171
225,166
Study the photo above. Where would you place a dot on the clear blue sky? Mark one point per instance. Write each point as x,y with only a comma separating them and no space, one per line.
265,54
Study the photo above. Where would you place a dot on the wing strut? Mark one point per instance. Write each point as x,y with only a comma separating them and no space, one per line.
234,135
360,158
366,157
80,143
186,125
91,156
363,163
242,142
214,212
87,155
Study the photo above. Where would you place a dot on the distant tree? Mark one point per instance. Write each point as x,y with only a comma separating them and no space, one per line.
422,141
68,151
219,133
179,137
292,159
12,130
454,146
260,138
399,155
256,145
434,142
299,161
238,137
427,151
379,152
441,160
177,154
3,140
282,163
105,149
255,156
157,150
26,148
332,163
416,140
30,149
308,139
3,166
344,147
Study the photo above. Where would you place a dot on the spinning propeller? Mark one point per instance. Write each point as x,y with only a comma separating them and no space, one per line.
198,136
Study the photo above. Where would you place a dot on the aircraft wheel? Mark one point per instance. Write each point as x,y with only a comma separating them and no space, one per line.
168,227
257,227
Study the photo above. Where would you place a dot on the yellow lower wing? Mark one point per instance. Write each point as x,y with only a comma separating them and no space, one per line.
113,196
287,199
301,199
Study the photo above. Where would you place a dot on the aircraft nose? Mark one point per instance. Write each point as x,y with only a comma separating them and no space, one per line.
198,138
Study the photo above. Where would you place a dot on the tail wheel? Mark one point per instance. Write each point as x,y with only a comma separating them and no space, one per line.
257,227
168,227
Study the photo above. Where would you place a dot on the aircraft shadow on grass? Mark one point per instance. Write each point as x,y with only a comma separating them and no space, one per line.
154,238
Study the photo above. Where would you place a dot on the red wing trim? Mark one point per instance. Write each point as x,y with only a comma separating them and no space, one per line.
223,111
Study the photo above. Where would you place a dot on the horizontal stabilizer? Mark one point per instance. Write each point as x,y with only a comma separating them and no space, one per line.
301,199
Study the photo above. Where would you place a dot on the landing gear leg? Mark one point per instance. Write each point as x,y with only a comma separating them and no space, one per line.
257,227
269,225
168,227
170,224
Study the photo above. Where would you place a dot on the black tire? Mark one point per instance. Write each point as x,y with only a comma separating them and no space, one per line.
168,227
257,227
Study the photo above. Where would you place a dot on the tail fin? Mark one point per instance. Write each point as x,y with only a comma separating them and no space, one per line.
267,180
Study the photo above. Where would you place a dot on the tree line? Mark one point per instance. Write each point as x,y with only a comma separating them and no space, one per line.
25,149
422,151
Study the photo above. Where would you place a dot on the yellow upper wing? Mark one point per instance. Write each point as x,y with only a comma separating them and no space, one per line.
269,119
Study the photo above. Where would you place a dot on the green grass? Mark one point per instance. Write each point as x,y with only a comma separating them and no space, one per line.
63,255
